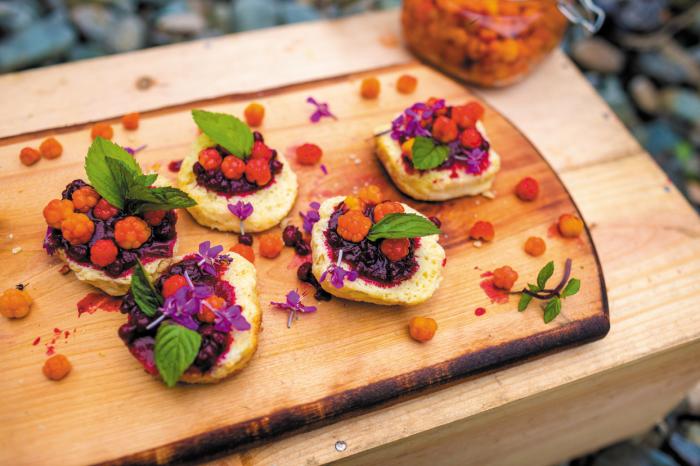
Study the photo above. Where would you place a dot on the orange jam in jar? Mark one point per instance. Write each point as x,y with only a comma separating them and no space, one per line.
486,42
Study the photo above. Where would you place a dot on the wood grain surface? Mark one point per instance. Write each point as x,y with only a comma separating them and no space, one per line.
346,357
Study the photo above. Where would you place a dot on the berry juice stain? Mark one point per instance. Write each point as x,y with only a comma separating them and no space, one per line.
553,230
93,302
36,341
479,311
495,295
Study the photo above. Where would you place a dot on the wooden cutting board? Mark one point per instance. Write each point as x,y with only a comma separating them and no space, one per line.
344,358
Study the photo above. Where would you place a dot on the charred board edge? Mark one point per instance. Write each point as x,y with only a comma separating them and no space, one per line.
231,438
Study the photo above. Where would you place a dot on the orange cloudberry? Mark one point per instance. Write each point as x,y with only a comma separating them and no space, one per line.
535,246
504,277
570,226
56,212
130,121
270,245
406,84
56,367
254,114
370,87
77,228
353,226
50,148
103,130
14,303
131,232
422,328
29,156
85,198
385,208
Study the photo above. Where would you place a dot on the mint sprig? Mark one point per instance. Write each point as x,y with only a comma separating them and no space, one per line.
426,154
553,297
226,130
175,350
147,298
402,225
117,177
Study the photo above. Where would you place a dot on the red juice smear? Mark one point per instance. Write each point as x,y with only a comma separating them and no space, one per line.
495,295
487,274
444,262
297,260
36,341
479,311
175,165
95,301
66,334
57,331
50,351
553,230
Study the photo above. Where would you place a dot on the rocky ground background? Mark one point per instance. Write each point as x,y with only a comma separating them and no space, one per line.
645,62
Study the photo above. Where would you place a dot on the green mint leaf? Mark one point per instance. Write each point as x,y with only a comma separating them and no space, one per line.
175,350
147,298
226,130
426,154
524,302
545,274
143,199
571,288
122,177
552,309
402,226
146,180
98,171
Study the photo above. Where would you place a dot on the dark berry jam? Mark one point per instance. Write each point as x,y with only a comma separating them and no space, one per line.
461,159
214,180
304,274
136,336
159,245
366,258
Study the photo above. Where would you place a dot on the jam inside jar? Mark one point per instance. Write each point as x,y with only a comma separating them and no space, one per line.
486,42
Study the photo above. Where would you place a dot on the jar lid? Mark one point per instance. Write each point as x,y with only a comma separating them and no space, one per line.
583,12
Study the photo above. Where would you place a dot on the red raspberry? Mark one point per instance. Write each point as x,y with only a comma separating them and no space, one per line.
103,252
77,229
444,129
104,210
308,154
527,189
260,151
474,110
210,159
232,167
172,284
258,171
395,249
56,212
462,116
470,138
131,232
154,217
353,226
85,198
482,231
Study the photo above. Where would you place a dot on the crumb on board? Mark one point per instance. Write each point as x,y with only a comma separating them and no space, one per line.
477,243
489,194
16,249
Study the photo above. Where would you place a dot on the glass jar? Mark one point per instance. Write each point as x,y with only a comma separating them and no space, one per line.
486,42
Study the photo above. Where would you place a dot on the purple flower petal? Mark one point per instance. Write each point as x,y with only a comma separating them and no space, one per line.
322,110
241,209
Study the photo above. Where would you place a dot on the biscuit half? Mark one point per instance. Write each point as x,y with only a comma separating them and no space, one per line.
418,288
242,276
270,204
433,185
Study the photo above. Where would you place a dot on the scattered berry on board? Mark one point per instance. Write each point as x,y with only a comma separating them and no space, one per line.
56,367
254,114
245,251
103,130
15,303
570,226
50,148
29,156
422,328
535,246
130,121
370,87
504,277
308,154
527,189
482,230
270,245
406,84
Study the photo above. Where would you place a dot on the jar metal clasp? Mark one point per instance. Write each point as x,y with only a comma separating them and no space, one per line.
583,12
